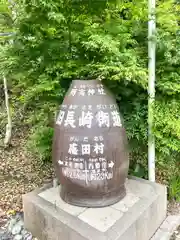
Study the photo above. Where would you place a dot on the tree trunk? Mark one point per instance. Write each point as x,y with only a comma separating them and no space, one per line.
8,134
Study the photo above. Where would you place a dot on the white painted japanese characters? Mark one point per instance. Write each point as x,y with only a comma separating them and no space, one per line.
86,118
88,90
90,146
81,165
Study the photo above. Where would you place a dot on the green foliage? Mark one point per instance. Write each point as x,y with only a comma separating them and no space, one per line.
40,142
6,21
5,16
174,188
60,40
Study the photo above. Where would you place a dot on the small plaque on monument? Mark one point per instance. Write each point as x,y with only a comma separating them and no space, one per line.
90,153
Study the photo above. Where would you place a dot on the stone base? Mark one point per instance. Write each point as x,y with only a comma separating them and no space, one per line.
136,217
95,201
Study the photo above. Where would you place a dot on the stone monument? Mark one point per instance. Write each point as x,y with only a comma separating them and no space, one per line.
90,157
90,152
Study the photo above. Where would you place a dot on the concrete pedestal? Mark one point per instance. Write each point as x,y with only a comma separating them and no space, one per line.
136,217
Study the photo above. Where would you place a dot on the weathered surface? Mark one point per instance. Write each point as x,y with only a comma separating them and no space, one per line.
136,217
90,152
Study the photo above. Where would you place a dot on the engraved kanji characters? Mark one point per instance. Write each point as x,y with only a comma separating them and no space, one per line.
60,117
103,119
73,149
104,165
99,106
70,164
85,165
101,91
91,166
82,92
73,92
81,165
86,119
97,165
116,119
91,92
99,148
76,165
66,163
112,106
70,120
84,107
86,149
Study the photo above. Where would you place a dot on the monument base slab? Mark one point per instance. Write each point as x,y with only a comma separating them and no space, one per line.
136,217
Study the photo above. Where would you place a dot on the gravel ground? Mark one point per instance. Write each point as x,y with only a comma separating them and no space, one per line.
176,234
19,173
174,209
14,229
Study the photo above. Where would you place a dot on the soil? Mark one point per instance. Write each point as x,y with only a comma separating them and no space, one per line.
20,173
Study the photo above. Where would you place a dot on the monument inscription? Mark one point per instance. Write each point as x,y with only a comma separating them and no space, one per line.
90,146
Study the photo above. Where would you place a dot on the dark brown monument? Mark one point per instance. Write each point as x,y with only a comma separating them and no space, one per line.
90,147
